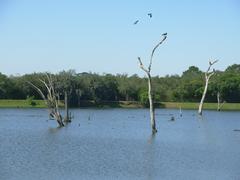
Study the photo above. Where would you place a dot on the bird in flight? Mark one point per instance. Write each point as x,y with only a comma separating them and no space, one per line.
150,15
136,22
164,34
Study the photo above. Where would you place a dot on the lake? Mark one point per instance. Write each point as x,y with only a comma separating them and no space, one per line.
117,144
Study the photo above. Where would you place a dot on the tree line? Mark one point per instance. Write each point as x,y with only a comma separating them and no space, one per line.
187,87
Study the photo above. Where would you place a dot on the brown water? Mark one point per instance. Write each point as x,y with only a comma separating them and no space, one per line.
117,144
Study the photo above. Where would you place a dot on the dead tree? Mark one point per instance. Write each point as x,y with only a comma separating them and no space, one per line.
68,117
208,75
148,73
51,99
220,102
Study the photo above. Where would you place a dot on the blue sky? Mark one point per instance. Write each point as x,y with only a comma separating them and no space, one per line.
99,36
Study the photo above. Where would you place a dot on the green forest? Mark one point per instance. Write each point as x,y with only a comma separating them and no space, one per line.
187,87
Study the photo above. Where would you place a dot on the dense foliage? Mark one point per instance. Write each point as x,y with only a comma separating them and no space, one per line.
89,86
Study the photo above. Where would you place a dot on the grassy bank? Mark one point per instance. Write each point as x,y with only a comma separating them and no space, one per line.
210,106
21,104
118,104
170,105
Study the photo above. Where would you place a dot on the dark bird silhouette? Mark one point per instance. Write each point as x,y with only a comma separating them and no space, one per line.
140,62
172,118
150,15
164,34
136,22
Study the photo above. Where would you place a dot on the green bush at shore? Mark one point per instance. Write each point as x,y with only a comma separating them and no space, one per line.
115,104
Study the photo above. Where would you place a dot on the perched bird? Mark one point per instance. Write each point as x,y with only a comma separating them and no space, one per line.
164,34
140,62
136,22
150,15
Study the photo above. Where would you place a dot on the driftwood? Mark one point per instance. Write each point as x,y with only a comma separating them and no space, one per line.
51,99
208,75
148,73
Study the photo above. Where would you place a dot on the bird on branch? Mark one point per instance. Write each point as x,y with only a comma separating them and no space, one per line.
140,62
150,15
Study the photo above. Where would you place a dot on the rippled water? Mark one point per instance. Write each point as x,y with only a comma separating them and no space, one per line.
117,144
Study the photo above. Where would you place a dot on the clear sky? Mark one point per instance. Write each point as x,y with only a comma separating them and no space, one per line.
99,35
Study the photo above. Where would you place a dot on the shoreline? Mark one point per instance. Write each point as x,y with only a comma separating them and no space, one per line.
120,104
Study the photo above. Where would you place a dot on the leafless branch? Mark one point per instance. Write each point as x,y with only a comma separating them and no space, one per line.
51,99
39,90
164,37
142,66
210,65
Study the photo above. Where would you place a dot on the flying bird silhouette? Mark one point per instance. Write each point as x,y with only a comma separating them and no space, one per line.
136,22
164,34
150,15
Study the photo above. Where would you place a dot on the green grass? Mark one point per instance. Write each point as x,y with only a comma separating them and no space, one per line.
210,106
111,104
21,104
119,104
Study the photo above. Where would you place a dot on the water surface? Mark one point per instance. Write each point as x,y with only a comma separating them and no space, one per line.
117,144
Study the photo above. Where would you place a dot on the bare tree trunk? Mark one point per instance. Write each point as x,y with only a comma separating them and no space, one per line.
220,104
151,105
203,97
59,119
207,77
150,95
